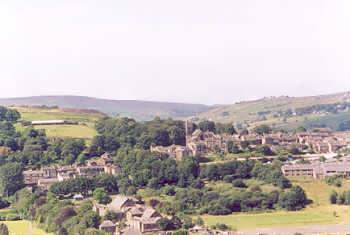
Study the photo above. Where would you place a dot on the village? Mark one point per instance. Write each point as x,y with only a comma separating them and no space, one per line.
311,146
139,218
134,216
200,143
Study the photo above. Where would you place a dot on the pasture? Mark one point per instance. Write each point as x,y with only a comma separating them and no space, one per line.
85,129
24,227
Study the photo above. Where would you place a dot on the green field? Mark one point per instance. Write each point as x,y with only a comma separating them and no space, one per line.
84,130
23,227
319,212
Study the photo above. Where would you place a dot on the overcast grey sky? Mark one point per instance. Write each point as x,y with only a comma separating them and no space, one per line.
204,51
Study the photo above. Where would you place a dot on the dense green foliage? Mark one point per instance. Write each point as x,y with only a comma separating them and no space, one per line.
125,132
114,133
140,169
11,178
85,185
101,196
55,215
9,115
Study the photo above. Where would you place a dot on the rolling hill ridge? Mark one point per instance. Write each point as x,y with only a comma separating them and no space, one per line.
140,110
282,112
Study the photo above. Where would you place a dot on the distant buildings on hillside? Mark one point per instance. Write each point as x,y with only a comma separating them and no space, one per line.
47,176
199,143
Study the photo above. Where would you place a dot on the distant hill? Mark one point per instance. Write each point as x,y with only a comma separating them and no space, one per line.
280,112
286,112
140,110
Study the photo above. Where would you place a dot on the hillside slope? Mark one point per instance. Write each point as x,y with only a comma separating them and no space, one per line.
84,130
281,111
141,110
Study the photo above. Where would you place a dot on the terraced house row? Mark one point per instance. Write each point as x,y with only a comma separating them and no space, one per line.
47,176
319,170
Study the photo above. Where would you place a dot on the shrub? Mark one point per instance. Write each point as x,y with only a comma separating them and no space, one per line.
4,203
334,180
333,197
228,178
238,183
12,217
181,232
220,226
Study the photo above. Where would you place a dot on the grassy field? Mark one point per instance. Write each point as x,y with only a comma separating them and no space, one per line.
84,130
24,228
319,212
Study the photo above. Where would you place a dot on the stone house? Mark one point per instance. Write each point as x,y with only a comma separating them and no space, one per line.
108,226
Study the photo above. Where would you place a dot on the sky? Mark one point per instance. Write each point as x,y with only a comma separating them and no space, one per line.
194,51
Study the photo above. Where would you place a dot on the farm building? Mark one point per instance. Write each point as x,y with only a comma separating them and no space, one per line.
53,122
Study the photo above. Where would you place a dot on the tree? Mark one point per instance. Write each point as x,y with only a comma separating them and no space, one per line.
294,199
177,135
165,224
71,149
238,183
11,179
232,148
207,126
4,203
265,150
333,197
262,129
3,229
161,137
101,196
90,220
64,214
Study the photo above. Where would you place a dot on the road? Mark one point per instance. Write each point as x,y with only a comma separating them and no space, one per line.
313,229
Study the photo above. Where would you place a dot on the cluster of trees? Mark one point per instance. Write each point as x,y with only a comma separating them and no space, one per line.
342,198
8,133
125,132
8,136
262,129
140,169
58,216
86,186
218,128
214,202
33,149
230,171
11,179
9,115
